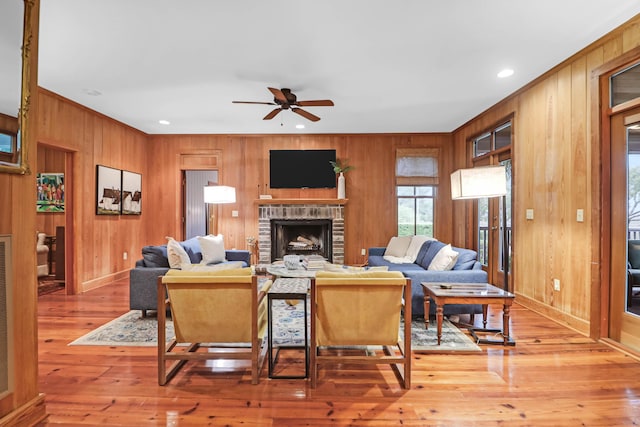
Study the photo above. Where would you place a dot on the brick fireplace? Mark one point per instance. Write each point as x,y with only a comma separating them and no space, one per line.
304,217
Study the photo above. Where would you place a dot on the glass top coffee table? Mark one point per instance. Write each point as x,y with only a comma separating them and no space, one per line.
470,293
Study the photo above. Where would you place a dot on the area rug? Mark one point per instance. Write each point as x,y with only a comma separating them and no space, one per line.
131,329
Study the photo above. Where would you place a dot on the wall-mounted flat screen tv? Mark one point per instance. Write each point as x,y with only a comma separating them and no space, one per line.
302,169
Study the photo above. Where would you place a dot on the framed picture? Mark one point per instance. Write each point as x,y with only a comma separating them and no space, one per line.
50,192
131,193
108,190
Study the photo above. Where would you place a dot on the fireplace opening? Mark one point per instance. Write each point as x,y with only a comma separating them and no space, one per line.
301,237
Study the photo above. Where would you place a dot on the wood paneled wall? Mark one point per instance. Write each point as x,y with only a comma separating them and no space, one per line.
244,164
81,139
556,158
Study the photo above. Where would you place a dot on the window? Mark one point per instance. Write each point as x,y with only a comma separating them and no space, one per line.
491,141
624,85
416,184
415,210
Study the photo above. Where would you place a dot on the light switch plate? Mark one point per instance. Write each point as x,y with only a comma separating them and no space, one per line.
529,214
580,215
234,213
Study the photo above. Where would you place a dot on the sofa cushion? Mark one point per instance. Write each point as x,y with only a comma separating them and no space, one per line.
444,260
424,259
414,247
466,259
398,246
193,250
176,254
423,252
155,256
212,248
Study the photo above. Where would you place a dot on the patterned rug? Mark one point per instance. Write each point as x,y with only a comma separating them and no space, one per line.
131,329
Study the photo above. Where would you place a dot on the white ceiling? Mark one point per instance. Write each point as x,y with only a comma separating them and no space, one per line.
389,66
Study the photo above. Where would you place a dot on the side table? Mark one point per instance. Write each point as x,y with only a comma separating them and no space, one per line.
292,289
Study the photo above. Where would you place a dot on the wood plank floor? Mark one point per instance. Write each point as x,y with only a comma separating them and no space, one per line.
552,377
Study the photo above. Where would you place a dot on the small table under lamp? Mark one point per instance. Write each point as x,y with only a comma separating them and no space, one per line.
481,182
216,195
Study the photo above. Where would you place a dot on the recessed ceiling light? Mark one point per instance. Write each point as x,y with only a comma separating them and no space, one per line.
164,122
92,92
507,72
300,126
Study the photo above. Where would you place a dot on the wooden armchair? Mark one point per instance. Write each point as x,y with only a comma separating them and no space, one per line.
221,309
361,309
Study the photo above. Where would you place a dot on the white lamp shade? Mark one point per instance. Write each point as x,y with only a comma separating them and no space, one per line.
216,194
480,182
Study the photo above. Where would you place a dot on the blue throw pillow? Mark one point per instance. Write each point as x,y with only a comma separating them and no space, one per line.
466,259
422,252
430,253
155,256
192,248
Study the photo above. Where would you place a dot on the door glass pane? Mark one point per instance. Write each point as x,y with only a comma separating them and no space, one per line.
507,166
633,220
483,231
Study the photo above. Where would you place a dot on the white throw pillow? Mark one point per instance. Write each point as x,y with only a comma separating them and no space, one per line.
176,254
414,247
398,246
444,260
212,248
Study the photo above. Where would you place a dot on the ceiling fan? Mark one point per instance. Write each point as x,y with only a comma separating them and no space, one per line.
286,99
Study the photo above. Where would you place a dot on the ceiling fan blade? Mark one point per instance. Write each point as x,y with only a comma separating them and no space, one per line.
316,103
253,102
305,114
279,95
272,114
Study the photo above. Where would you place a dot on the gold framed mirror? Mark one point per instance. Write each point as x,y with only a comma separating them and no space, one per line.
15,72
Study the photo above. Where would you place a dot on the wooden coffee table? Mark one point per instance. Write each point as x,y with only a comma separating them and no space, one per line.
470,293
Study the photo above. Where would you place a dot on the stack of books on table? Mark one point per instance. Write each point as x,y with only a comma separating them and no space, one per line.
314,262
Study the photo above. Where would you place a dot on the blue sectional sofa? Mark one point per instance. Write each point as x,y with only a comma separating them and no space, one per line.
143,279
466,270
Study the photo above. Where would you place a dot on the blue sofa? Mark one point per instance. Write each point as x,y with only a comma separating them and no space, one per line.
143,279
466,270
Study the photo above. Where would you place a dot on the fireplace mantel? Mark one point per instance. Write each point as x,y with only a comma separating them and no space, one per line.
301,201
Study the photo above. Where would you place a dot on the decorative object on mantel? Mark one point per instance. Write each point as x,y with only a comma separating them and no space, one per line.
340,170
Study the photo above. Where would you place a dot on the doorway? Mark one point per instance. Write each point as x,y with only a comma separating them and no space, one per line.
196,212
493,215
57,225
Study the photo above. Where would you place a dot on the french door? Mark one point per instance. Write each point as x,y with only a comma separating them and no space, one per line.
624,319
490,223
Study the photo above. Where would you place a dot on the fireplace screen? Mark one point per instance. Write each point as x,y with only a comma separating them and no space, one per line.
302,237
